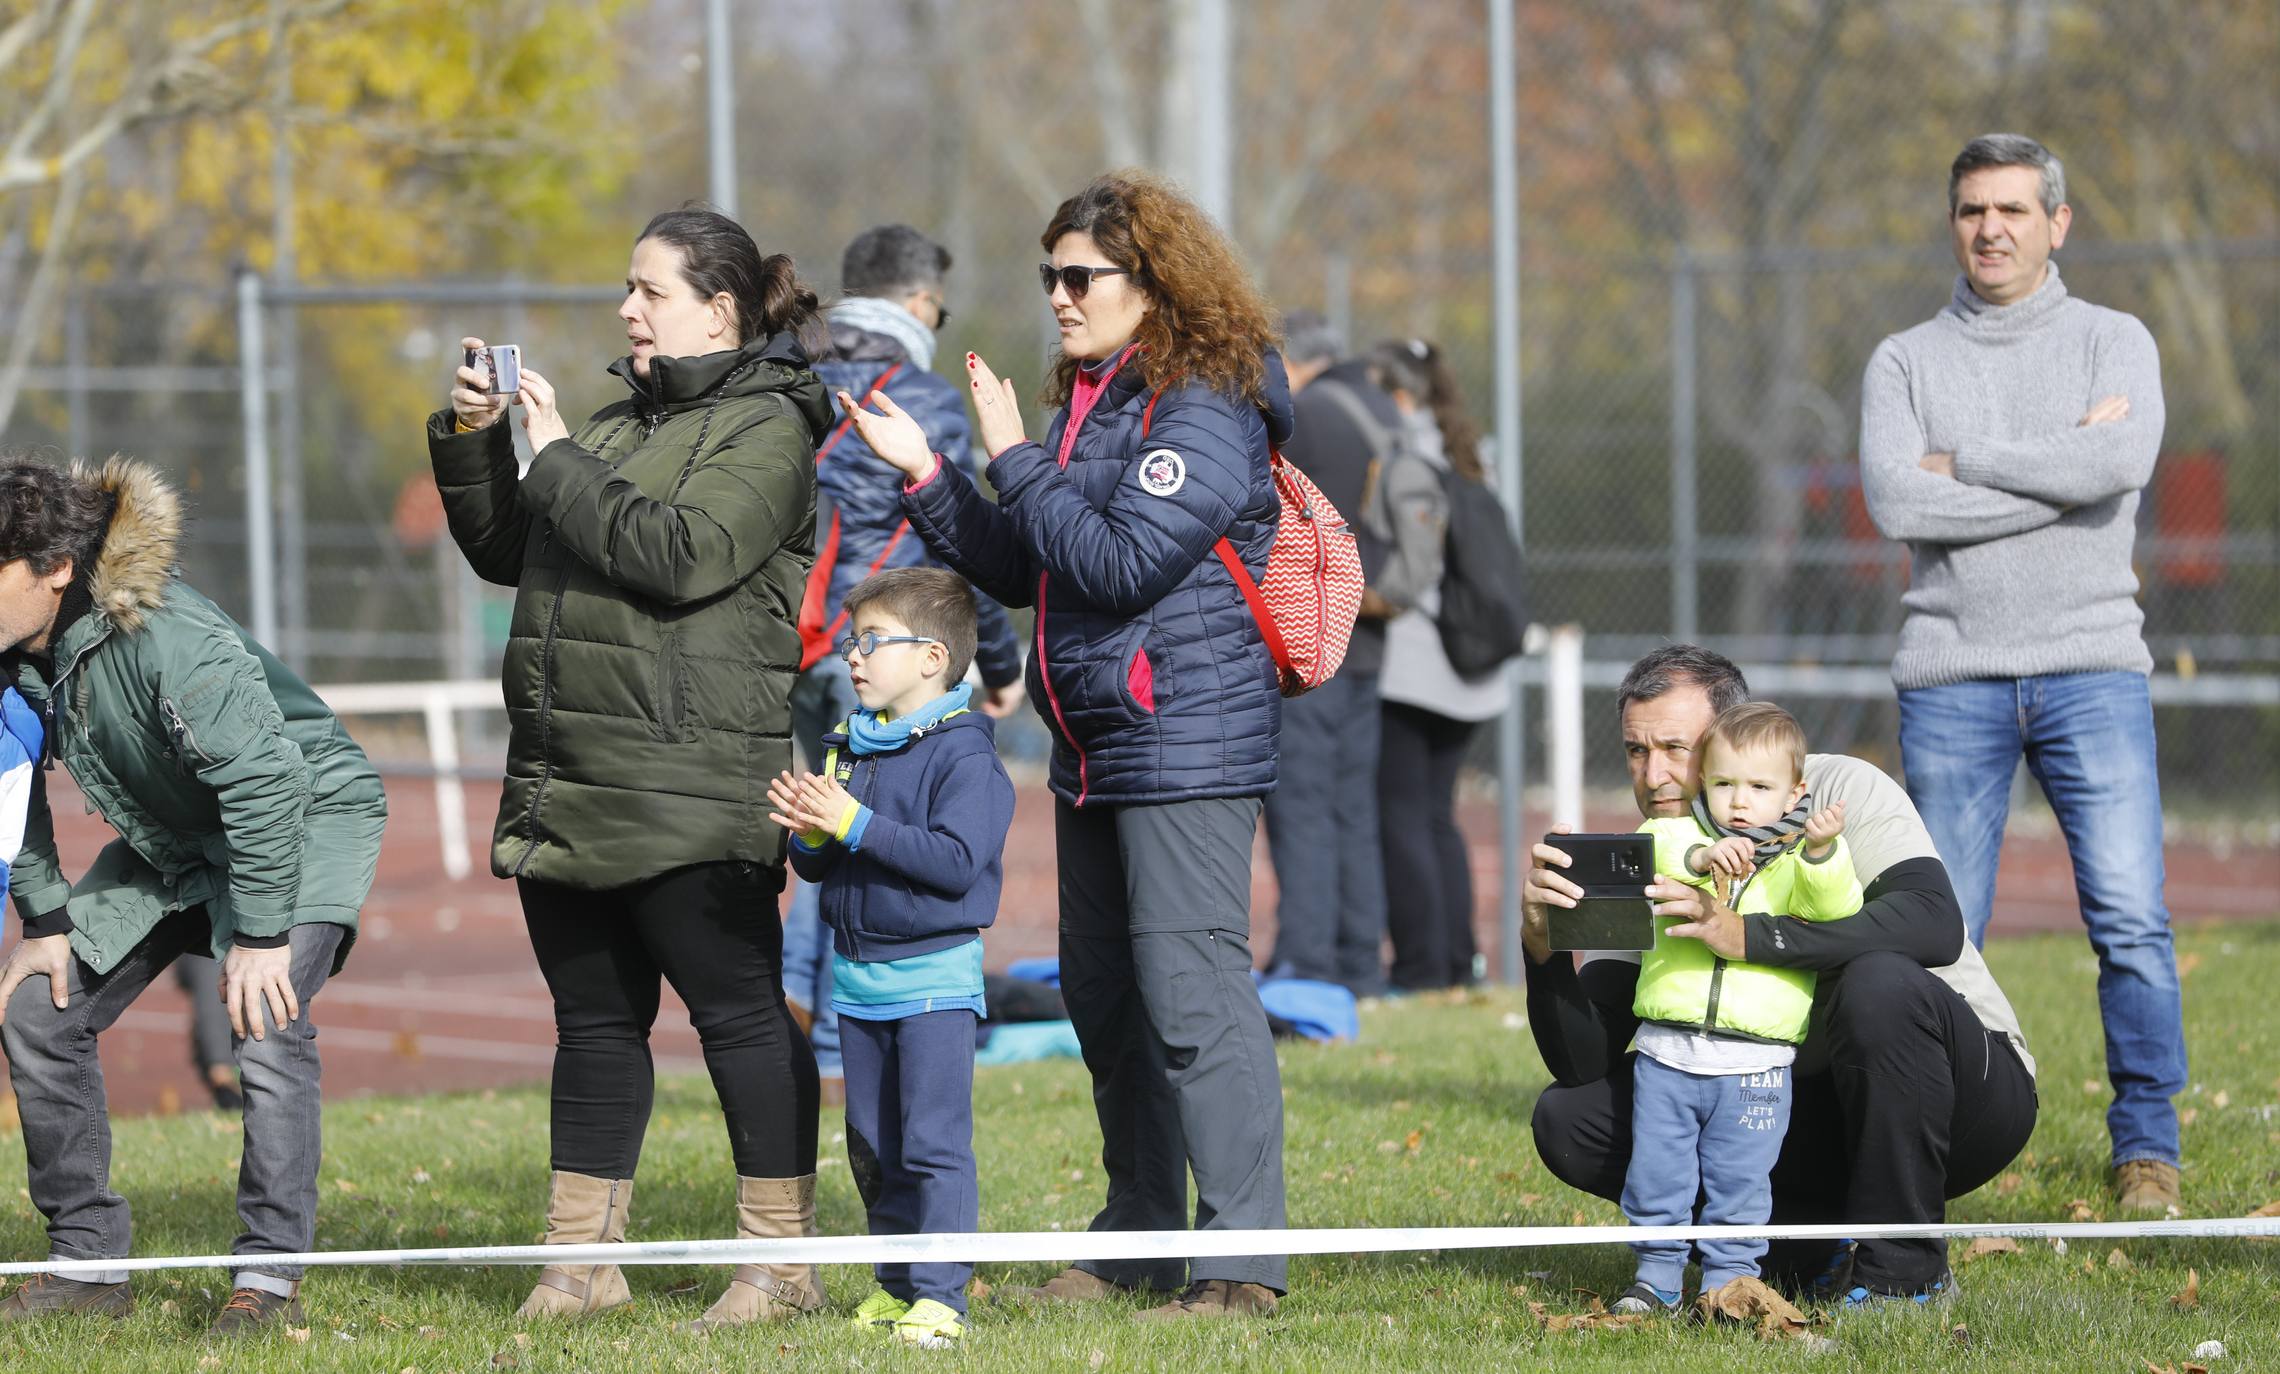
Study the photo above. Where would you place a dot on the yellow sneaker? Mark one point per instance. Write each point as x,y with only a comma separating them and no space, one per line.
930,1325
881,1309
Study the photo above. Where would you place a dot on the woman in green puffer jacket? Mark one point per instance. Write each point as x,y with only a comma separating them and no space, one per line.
658,556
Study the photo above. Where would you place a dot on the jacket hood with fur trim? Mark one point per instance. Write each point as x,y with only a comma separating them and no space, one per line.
138,555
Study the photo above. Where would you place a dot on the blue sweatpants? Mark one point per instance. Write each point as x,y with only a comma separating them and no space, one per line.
1713,1136
910,1139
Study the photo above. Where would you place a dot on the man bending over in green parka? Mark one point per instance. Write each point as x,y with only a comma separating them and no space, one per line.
249,826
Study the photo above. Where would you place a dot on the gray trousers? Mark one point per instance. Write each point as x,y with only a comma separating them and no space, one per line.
58,1075
1156,971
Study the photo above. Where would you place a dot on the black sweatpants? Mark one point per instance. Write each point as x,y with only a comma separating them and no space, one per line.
712,930
1428,872
1902,1101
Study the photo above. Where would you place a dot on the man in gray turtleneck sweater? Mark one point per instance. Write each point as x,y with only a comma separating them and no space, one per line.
2006,440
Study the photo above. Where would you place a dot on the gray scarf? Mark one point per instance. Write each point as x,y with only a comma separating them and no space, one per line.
1772,840
881,316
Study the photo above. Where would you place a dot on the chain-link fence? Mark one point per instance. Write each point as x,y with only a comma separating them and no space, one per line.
1724,208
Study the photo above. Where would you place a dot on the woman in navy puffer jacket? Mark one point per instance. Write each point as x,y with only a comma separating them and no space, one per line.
1160,694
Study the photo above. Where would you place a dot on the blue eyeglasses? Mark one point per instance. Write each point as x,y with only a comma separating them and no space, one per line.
870,641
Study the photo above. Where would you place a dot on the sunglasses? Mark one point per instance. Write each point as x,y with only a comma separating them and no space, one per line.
1077,280
941,311
871,641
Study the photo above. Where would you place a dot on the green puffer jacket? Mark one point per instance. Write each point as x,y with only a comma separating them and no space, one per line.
659,557
230,783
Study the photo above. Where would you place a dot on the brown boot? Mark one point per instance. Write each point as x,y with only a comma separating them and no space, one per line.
1216,1298
47,1294
1070,1285
2147,1185
582,1210
768,1208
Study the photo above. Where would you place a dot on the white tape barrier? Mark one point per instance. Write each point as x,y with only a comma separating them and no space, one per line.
1009,1247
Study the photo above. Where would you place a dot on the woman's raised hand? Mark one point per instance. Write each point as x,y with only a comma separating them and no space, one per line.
891,433
472,400
540,419
997,412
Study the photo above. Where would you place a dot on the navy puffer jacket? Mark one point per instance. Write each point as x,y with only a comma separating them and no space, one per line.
1147,665
866,491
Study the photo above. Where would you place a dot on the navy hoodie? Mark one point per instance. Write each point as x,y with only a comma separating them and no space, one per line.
931,865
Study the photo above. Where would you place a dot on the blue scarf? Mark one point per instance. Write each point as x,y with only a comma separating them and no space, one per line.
867,734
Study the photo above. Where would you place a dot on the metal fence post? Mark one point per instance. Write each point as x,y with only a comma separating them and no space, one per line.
1511,746
720,107
1685,543
253,396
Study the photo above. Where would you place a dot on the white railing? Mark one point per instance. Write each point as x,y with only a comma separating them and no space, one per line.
438,703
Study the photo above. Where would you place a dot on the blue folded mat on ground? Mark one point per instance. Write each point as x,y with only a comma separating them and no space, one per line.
1018,1042
1316,1010
1310,1009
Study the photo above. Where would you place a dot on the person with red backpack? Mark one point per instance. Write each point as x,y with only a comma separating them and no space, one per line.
883,336
1141,530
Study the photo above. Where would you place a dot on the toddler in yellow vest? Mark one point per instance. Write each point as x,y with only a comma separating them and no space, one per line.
1717,1037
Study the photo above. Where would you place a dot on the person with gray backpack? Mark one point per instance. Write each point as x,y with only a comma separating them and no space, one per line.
1449,543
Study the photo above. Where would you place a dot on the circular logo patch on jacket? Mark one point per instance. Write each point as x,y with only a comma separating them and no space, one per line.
1162,472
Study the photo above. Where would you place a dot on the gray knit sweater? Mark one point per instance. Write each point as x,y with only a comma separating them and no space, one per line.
2022,559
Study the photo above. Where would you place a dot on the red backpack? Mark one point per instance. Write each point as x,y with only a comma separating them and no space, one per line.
1313,589
816,638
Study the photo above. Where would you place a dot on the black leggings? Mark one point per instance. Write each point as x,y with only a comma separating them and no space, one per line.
1428,872
712,930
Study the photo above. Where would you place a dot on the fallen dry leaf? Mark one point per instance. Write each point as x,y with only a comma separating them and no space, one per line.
1415,1141
522,1338
299,1335
1748,1301
2092,1086
210,1362
2079,1210
431,1333
977,1289
2117,1260
1597,1319
2191,1297
1985,1246
2008,1184
1096,1359
1960,1334
503,1360
2221,1100
2188,962
2189,1116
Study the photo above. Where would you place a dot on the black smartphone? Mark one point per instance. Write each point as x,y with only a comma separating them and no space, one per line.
1613,871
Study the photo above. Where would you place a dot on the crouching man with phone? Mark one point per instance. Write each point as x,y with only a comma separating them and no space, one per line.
1913,1084
249,827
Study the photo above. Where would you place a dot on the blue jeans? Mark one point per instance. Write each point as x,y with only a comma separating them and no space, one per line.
2088,739
1712,1136
910,1141
822,698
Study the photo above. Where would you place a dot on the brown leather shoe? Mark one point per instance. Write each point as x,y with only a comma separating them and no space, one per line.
253,1310
1216,1298
2148,1185
49,1294
1070,1285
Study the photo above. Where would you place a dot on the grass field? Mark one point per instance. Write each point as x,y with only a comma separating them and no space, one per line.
1423,1122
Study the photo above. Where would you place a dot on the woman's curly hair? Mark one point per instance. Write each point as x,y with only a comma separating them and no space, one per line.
1206,321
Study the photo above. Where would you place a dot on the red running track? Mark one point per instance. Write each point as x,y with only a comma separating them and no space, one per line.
441,993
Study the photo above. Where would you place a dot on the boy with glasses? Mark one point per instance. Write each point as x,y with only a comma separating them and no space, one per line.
904,831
